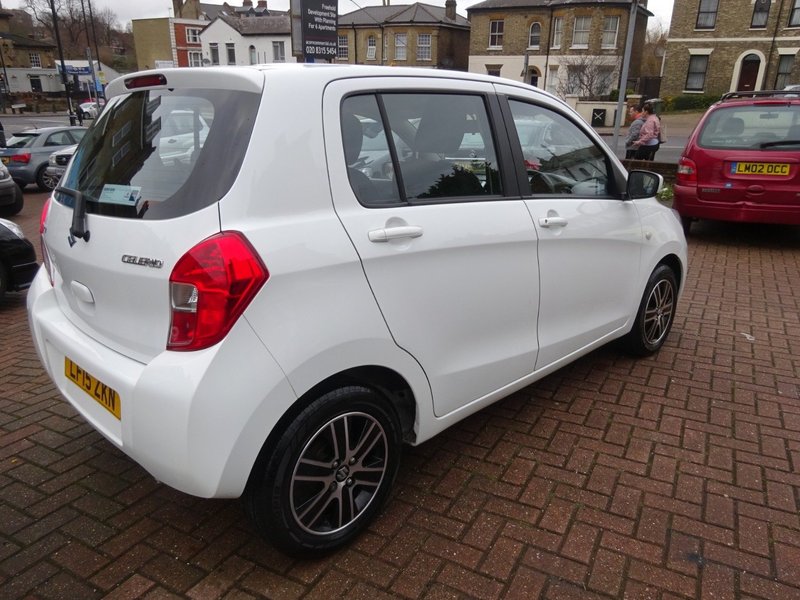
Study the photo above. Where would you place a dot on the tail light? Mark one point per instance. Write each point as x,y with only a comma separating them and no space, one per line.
687,171
21,158
42,229
210,287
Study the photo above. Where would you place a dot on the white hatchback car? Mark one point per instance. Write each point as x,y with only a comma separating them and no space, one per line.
268,320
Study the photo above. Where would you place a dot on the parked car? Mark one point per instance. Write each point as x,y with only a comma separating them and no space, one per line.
56,165
26,153
18,264
741,161
271,322
91,108
11,199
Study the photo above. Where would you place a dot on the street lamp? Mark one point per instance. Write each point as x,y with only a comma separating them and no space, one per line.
623,84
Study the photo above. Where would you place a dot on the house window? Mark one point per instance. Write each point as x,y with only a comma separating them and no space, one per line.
493,70
230,50
535,35
785,66
278,52
36,84
794,14
760,14
707,14
36,60
696,76
424,46
610,29
558,32
372,48
496,34
195,59
341,48
192,35
214,49
580,32
400,46
253,56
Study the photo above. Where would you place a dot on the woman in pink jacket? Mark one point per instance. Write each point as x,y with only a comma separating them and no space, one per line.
648,142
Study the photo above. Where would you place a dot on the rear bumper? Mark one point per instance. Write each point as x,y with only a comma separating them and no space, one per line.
688,204
195,420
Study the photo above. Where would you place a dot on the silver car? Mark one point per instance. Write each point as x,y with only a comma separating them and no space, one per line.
56,165
27,153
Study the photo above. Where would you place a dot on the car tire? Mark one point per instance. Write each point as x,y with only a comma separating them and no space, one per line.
44,181
655,315
16,206
313,491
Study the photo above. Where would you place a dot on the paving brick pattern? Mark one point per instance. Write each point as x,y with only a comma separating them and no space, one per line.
676,476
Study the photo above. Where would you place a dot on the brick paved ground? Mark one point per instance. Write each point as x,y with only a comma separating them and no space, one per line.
672,477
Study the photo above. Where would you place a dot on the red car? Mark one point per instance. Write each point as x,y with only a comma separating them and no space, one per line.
742,161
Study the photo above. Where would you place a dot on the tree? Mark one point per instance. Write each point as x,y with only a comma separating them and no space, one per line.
655,46
588,76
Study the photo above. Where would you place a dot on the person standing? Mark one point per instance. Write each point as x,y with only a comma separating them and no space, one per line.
647,144
637,120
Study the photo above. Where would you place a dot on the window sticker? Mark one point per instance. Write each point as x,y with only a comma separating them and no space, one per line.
124,195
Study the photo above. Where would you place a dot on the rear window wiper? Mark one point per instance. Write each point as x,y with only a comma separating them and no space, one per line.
78,227
779,143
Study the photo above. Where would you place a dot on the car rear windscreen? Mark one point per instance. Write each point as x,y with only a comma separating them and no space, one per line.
161,154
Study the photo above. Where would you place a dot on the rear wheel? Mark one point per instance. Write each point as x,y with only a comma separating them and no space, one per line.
328,474
655,315
45,181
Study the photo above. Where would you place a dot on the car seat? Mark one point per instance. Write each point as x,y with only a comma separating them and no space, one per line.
732,127
353,137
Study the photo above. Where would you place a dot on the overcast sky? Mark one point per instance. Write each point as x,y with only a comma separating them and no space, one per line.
144,9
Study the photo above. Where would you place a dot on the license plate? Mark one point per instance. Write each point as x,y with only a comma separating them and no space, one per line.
753,168
104,395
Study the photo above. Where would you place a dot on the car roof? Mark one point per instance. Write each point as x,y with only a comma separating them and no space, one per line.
41,130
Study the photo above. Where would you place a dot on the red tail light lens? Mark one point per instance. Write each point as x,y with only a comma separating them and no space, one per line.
145,81
687,171
42,229
21,158
210,287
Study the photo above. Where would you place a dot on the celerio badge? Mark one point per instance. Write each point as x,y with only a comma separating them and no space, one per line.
142,261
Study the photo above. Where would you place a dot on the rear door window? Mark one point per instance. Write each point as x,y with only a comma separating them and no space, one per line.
162,154
758,127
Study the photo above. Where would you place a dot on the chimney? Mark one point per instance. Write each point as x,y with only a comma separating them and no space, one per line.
450,9
177,8
247,3
262,3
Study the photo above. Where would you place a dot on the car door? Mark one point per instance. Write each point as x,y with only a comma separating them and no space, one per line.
449,251
589,237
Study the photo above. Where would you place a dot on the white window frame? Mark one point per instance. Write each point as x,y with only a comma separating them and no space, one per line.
230,53
372,47
580,37
400,46
496,30
213,51
558,32
424,46
192,35
195,58
610,32
36,60
794,14
342,48
693,56
278,51
538,35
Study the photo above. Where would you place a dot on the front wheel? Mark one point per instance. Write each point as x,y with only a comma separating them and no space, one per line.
328,474
655,315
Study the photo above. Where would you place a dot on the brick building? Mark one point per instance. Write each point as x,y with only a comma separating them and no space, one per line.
750,45
565,46
418,35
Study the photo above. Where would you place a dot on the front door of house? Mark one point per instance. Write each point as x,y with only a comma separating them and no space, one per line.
748,73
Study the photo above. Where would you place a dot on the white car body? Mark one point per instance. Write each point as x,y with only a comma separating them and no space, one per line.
479,299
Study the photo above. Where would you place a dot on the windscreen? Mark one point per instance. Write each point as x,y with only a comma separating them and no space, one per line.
160,154
21,140
759,126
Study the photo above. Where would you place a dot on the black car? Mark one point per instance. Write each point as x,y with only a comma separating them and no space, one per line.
18,263
11,200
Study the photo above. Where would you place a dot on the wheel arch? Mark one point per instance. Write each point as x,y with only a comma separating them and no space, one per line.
387,382
674,263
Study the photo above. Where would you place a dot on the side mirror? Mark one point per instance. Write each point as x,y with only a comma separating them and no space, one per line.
643,184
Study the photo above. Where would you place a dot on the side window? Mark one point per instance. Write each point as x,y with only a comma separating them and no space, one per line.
366,150
58,139
451,152
559,158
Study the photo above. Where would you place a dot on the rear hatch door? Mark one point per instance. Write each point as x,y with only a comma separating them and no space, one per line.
144,206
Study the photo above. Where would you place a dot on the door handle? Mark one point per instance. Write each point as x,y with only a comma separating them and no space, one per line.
395,233
553,222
